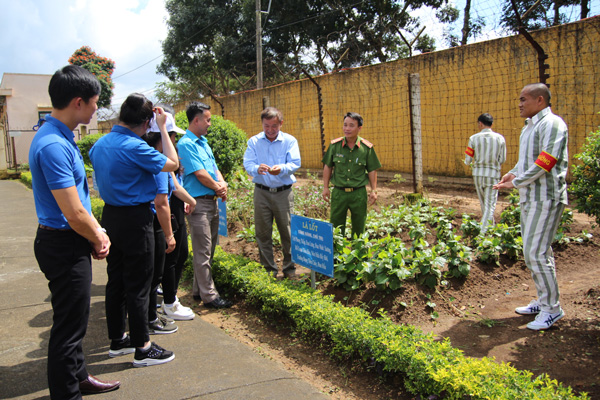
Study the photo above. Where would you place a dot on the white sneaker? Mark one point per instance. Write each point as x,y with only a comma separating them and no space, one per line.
533,307
178,312
545,320
182,307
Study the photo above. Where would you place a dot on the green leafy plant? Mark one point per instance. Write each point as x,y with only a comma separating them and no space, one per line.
426,267
586,177
97,207
511,215
566,219
429,367
308,201
470,227
85,144
25,178
489,323
509,239
248,233
227,141
458,256
489,250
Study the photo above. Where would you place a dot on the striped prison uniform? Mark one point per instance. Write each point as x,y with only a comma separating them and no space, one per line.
540,176
486,153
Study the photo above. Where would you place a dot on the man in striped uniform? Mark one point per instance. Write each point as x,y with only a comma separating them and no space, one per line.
540,177
486,153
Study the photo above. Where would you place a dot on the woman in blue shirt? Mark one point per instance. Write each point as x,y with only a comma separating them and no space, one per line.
172,261
164,237
125,166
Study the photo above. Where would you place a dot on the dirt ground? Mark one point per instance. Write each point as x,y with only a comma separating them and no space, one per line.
477,314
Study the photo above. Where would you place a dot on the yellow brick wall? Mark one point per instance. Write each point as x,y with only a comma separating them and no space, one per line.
457,85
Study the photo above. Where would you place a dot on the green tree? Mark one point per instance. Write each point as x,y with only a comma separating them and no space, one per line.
227,141
215,39
101,67
544,15
586,177
471,27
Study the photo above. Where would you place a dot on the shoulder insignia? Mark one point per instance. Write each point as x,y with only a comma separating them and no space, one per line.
366,142
337,140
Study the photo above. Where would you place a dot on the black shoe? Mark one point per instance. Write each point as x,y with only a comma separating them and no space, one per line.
161,326
153,356
120,347
197,298
290,275
219,303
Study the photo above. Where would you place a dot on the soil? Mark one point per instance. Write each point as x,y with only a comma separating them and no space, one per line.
476,313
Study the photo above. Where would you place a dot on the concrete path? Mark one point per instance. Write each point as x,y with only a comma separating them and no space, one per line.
208,363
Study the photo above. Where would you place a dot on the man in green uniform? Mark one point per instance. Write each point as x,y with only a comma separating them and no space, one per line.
349,164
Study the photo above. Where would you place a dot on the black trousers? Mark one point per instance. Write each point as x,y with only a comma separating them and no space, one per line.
130,265
174,261
64,258
160,245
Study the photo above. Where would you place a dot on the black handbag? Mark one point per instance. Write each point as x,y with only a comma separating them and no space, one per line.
174,223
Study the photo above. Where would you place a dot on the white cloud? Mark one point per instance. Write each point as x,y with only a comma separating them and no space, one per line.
39,36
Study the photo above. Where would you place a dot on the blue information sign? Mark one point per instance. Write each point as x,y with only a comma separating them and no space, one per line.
222,217
312,244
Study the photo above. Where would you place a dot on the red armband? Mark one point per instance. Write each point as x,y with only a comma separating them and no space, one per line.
470,152
545,161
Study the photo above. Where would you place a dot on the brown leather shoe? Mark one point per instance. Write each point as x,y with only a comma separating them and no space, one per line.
93,385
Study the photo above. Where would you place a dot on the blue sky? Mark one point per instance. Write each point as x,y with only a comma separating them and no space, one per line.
39,36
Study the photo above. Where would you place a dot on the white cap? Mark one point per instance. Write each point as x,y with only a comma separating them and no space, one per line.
170,125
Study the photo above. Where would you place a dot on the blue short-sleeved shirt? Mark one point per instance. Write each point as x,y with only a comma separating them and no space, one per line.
125,166
164,184
56,163
195,155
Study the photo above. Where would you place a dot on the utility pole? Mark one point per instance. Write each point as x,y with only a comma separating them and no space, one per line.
259,62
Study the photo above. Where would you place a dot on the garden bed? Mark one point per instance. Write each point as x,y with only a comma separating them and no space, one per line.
476,313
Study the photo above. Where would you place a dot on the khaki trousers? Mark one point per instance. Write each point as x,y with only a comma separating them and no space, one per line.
276,206
204,226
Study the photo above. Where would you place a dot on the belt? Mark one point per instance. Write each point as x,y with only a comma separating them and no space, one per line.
49,228
348,189
273,190
207,197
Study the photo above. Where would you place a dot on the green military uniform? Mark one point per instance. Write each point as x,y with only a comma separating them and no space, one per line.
349,179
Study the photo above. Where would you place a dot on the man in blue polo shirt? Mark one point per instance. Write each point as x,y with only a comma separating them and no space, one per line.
203,181
271,159
67,233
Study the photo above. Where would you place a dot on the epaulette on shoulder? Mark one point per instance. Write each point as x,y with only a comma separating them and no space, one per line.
366,142
337,140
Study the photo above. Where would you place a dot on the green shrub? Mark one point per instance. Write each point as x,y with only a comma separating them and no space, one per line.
586,177
26,178
188,265
227,141
85,144
97,207
429,367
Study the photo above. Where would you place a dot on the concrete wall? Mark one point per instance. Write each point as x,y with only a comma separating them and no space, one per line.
457,85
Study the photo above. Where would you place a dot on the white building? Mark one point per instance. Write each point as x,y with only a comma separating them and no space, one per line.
24,100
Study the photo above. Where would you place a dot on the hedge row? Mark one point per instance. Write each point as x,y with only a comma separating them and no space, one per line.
25,178
427,366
